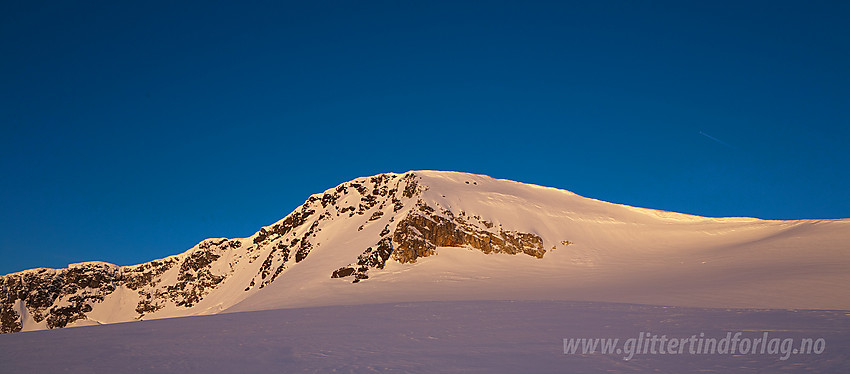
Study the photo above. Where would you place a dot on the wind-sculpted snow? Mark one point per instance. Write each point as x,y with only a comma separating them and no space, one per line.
430,235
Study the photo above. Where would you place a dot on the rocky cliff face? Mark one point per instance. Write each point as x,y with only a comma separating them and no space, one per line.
228,269
55,297
422,230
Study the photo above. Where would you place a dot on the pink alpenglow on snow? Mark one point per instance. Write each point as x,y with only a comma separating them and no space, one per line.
462,239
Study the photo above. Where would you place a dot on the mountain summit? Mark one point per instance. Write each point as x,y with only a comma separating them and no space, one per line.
433,235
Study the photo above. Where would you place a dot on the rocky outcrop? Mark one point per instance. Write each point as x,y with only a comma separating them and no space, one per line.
420,233
57,297
195,277
10,320
389,205
423,230
374,257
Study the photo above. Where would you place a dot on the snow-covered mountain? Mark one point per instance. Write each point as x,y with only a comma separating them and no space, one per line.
433,235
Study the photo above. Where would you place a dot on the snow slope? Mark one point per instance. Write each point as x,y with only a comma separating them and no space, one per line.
618,253
439,236
426,337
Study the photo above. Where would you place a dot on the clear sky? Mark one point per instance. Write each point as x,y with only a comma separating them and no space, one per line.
133,131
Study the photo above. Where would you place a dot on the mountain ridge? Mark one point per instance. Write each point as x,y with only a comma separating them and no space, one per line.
386,225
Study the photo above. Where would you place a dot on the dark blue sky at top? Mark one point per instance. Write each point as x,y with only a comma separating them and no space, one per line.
133,131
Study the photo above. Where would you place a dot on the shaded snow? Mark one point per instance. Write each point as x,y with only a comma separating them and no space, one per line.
437,337
599,257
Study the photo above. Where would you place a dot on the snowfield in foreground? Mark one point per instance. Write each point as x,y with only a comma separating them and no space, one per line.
425,337
443,236
398,273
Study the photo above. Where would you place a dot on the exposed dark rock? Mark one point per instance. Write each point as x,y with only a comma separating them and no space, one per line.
138,276
291,221
411,188
60,297
419,234
10,320
305,246
423,230
343,272
197,261
147,306
66,295
39,290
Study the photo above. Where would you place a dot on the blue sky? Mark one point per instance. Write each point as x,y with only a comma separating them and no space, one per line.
131,132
